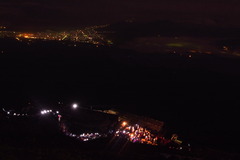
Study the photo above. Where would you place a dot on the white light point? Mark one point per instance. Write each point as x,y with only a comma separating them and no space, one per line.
74,106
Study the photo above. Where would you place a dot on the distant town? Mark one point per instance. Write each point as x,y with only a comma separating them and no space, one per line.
99,36
85,35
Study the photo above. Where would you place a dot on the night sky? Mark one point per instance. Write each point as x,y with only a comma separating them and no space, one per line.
25,13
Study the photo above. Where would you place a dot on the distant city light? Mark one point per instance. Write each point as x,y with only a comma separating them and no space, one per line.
83,35
57,112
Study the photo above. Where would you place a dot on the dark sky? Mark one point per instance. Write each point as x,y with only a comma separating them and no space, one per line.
84,12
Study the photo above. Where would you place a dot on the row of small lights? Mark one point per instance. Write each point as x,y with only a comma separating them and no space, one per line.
46,111
74,106
16,114
85,136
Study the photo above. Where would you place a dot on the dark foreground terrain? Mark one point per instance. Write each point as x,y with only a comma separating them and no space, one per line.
40,138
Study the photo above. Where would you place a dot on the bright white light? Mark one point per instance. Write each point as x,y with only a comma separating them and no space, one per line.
8,112
57,112
14,114
75,106
50,110
44,111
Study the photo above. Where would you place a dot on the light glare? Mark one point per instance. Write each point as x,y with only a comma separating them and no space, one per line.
75,106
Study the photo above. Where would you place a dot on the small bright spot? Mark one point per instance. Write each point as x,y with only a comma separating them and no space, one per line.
8,112
75,106
124,123
57,112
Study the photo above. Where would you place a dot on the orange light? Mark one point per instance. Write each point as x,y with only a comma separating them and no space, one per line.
131,135
124,123
26,35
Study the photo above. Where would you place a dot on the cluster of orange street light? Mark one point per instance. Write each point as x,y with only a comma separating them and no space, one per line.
136,133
